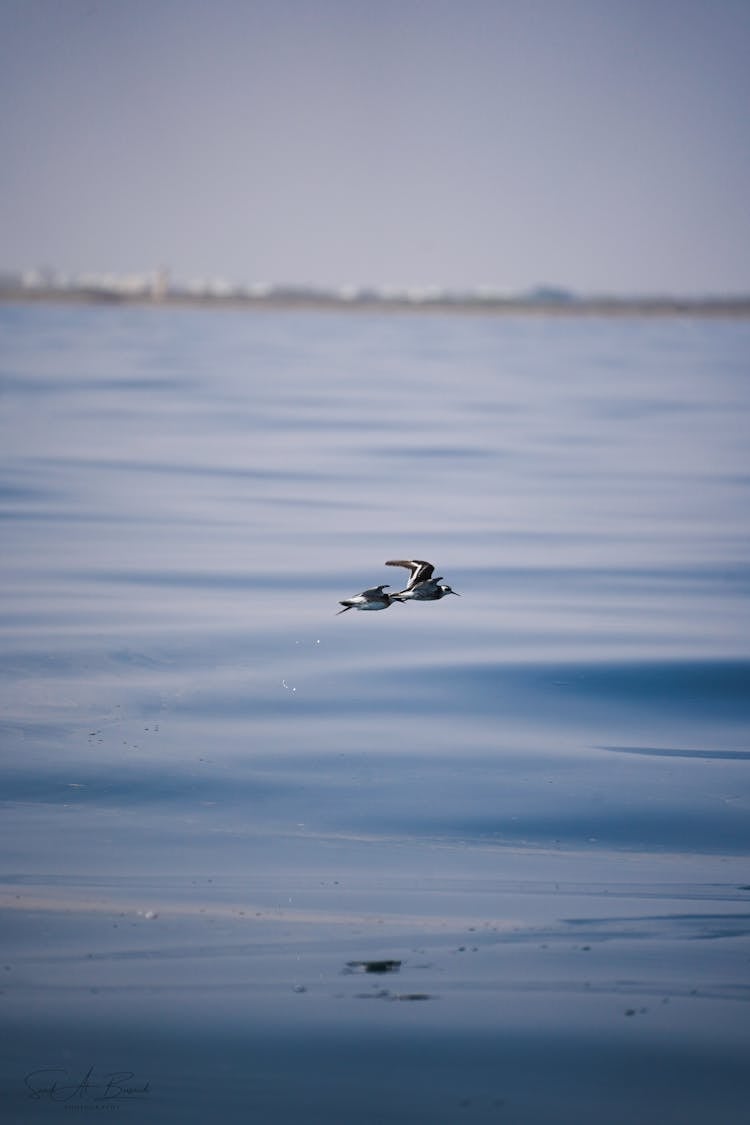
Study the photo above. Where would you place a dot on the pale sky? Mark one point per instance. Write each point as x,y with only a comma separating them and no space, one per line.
601,145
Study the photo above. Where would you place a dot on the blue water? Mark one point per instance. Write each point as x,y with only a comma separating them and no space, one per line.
217,793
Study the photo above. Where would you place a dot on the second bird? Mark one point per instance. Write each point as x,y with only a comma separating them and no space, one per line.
421,587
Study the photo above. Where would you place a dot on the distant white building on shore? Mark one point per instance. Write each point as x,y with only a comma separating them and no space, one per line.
160,284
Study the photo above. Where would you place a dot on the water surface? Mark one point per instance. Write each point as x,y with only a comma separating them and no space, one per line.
217,794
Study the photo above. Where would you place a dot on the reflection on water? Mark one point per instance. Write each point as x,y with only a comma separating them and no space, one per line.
664,752
214,786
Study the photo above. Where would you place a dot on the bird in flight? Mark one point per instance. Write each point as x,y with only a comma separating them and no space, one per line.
421,587
375,598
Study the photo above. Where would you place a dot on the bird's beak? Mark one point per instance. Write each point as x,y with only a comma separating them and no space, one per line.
456,593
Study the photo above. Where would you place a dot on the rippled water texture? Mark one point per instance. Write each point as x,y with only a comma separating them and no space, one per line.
222,804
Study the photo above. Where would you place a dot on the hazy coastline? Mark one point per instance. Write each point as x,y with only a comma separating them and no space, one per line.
321,300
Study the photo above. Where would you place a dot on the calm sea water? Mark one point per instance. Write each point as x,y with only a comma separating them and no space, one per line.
222,802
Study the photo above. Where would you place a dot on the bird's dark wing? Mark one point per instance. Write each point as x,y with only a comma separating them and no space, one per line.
420,570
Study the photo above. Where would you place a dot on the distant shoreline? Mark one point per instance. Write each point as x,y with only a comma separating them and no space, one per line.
727,307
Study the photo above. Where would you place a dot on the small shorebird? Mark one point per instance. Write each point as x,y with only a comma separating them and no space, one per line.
376,598
421,587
